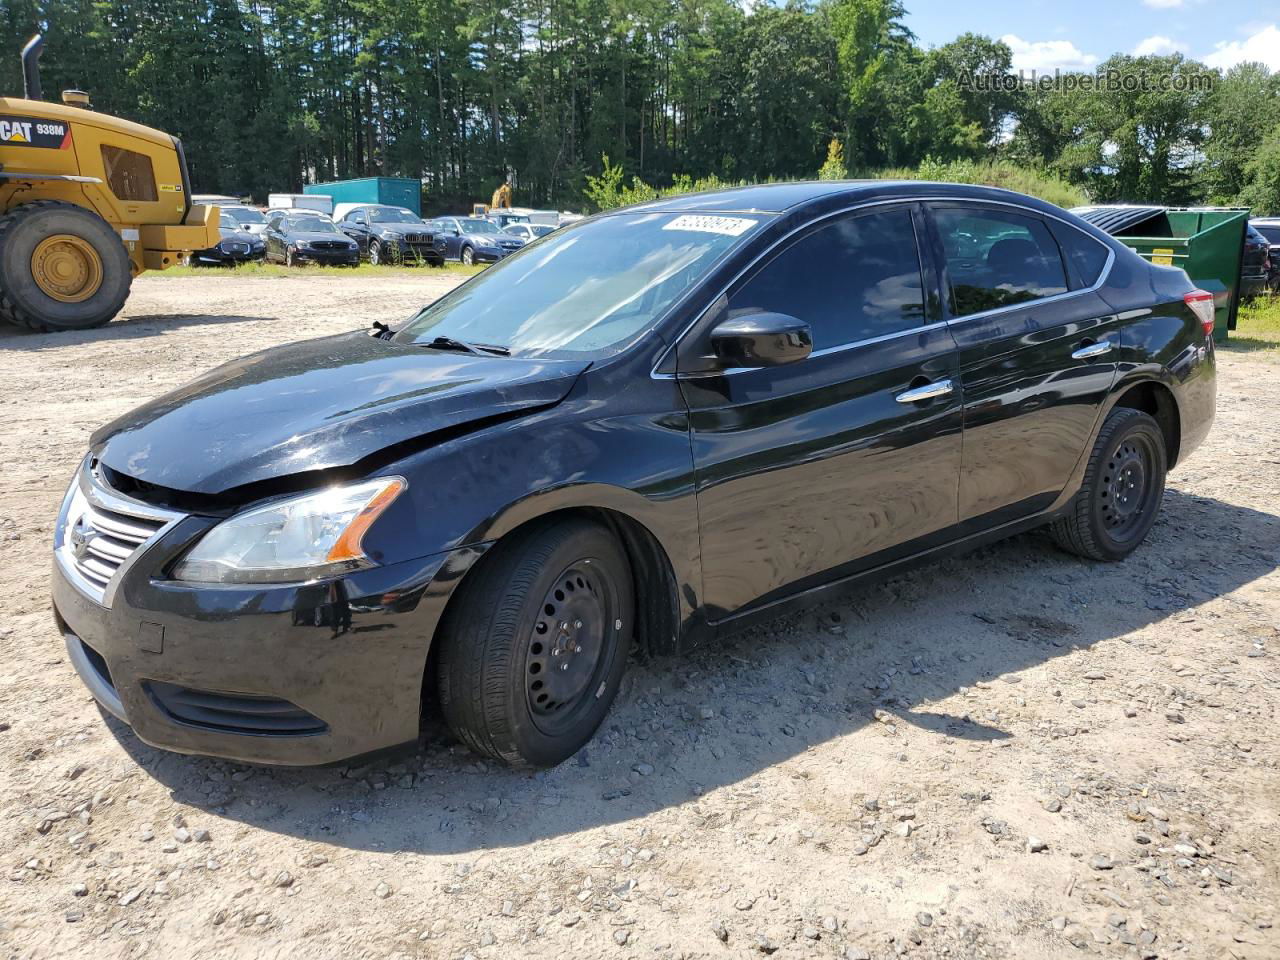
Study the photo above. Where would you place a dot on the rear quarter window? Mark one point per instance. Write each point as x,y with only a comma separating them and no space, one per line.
1086,256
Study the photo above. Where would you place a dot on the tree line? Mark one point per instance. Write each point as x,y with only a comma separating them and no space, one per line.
466,94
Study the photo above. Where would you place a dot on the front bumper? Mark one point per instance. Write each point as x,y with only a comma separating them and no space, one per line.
222,258
330,258
297,674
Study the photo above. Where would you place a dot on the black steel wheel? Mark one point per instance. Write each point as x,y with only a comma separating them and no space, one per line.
565,652
534,645
1123,486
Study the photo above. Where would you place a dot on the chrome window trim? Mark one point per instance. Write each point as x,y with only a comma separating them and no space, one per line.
675,342
90,485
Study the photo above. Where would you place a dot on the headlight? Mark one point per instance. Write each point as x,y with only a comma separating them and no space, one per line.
314,535
302,244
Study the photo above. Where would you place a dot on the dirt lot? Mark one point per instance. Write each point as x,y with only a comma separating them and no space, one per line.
1014,755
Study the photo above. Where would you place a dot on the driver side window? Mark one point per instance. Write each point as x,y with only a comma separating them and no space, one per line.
854,279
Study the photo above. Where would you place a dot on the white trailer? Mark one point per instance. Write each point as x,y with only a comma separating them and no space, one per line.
301,201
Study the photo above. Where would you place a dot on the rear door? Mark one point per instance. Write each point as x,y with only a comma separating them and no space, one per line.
819,468
1038,351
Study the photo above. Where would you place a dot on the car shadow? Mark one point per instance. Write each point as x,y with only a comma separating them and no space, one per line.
683,726
125,328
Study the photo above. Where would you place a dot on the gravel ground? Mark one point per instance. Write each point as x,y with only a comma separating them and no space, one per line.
1014,755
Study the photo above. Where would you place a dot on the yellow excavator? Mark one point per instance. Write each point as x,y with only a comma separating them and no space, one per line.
501,200
87,202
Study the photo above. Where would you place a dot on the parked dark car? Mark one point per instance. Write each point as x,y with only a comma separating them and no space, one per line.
1269,227
236,246
474,239
392,235
758,394
298,238
1255,264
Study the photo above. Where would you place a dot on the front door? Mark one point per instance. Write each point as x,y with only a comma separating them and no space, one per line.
843,460
1036,356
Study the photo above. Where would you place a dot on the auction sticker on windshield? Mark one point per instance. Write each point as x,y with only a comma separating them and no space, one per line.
729,226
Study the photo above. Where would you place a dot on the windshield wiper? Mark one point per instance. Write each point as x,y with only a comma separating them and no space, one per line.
479,349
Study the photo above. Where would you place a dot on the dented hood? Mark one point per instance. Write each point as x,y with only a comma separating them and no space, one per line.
316,405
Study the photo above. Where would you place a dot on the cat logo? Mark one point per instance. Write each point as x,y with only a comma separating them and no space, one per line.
15,131
34,132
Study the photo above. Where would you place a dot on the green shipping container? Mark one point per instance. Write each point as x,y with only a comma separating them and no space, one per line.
1207,242
393,191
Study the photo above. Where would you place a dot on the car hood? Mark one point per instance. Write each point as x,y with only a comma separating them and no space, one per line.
312,236
317,405
400,229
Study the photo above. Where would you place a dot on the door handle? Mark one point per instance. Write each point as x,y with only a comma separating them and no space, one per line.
927,392
1091,350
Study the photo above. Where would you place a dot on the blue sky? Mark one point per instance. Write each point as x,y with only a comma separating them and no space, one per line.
1078,34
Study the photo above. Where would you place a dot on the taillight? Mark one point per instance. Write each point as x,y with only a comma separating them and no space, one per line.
1201,304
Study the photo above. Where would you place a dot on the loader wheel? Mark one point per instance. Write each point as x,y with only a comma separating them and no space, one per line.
61,268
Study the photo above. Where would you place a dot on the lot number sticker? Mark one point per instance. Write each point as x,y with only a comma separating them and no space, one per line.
728,226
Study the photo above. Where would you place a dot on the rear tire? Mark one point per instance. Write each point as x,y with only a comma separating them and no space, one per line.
534,646
1123,486
62,267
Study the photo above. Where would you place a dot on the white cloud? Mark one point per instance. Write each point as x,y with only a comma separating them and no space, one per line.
1162,4
1045,56
1263,46
1158,46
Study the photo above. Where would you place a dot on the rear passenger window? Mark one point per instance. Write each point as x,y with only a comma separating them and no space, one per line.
996,259
129,174
855,279
1085,255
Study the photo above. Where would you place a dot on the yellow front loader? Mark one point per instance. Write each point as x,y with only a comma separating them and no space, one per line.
87,202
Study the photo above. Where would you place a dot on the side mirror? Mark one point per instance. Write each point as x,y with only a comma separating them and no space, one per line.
761,340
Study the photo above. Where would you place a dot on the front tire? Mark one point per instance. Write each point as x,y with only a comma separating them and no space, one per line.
289,257
1122,490
375,253
62,267
468,256
534,646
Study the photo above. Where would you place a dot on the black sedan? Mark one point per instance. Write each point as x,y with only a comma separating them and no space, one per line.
236,246
389,234
295,238
1269,227
759,394
1255,263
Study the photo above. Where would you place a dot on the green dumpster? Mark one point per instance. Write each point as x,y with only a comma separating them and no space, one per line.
1207,242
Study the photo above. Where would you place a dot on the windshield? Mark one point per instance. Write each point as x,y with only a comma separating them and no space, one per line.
243,215
312,225
478,226
562,296
393,215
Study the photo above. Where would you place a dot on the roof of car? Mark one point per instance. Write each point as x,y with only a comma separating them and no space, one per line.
781,197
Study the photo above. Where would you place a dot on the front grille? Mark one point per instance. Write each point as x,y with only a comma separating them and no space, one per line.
415,237
100,532
101,540
330,245
234,712
235,247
